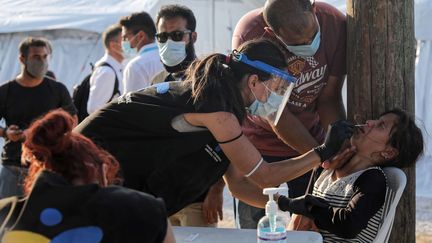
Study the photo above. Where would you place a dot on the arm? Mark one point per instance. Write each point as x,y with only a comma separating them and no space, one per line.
101,88
243,189
367,200
213,203
330,104
244,156
169,236
299,138
13,133
3,132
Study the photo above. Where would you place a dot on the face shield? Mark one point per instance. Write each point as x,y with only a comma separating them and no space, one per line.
281,82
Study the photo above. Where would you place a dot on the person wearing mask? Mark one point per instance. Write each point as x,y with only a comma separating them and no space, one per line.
313,37
106,79
176,37
176,139
346,204
70,195
23,99
138,33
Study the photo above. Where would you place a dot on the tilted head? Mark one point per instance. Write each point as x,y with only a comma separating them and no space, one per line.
295,24
392,140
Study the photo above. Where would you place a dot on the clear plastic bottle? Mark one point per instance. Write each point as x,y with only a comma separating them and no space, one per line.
272,227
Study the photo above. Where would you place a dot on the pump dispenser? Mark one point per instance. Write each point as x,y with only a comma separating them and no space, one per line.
272,227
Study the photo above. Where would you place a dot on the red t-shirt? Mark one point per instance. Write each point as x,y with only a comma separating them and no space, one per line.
312,74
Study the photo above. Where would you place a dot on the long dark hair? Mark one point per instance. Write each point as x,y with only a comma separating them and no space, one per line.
217,79
406,137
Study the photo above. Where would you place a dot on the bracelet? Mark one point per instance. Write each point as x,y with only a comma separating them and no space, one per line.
255,168
233,139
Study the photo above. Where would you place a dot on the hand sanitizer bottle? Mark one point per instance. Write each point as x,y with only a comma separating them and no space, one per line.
271,227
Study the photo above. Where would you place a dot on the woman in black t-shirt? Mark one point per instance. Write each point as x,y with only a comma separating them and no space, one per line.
174,140
69,197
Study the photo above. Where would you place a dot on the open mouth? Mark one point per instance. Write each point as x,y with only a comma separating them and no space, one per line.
359,128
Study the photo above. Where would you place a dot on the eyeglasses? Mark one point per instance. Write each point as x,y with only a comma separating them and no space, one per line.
175,35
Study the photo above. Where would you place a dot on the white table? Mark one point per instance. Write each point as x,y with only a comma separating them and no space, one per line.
223,235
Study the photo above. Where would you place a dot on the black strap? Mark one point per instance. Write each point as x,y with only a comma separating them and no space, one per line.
116,83
233,139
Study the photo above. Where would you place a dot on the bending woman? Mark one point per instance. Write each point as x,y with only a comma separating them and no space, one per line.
69,197
346,204
174,140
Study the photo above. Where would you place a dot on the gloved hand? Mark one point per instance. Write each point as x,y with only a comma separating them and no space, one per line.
337,133
301,205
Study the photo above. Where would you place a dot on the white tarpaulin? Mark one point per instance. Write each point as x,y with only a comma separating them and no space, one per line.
75,27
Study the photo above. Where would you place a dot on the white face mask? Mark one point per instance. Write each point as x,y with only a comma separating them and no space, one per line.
128,51
172,52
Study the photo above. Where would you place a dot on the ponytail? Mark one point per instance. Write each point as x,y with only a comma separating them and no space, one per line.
213,81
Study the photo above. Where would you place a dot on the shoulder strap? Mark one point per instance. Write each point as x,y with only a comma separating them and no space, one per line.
116,83
12,201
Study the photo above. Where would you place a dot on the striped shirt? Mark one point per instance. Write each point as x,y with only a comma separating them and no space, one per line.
356,205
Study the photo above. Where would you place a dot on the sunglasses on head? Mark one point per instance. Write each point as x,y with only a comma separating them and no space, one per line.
175,35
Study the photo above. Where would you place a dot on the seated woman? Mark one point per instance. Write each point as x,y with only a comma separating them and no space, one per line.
354,193
69,197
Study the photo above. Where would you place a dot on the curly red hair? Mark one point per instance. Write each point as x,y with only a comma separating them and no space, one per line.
51,145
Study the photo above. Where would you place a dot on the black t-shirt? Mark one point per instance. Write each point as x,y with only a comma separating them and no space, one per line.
21,105
61,212
155,157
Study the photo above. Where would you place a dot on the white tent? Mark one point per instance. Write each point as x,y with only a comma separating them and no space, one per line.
75,27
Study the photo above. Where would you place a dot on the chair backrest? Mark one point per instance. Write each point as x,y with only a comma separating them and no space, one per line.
396,182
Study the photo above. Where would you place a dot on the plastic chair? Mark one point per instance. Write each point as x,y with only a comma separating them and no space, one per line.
396,182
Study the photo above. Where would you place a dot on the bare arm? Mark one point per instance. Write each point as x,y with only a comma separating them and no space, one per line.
330,104
169,237
244,156
213,203
244,189
293,133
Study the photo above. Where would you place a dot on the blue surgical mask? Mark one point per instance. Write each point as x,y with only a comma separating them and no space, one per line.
172,52
265,109
128,51
306,50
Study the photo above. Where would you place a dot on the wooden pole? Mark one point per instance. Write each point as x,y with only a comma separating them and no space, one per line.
381,55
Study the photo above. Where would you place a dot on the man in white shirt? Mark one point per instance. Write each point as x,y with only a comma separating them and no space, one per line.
108,71
138,33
